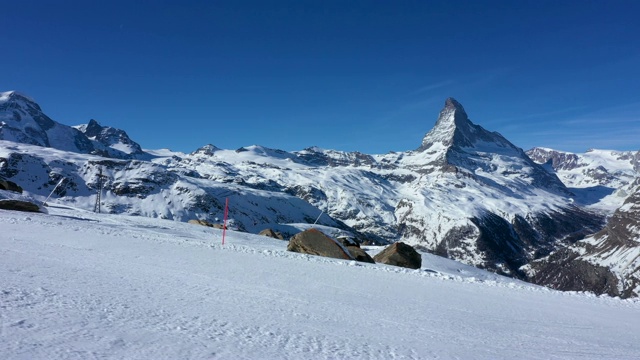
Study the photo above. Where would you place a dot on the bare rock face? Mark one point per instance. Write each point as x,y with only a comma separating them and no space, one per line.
400,254
315,242
272,234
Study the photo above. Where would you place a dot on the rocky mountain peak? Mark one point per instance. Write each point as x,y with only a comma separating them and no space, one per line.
453,129
13,99
112,142
92,129
452,116
452,104
208,150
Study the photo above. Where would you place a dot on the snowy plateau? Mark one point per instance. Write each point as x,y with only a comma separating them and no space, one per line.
137,281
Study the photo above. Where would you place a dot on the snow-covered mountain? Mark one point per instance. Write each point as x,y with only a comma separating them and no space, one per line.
606,263
465,193
111,142
598,178
595,167
145,188
22,121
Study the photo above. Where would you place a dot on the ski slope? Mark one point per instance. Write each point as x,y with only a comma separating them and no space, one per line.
79,285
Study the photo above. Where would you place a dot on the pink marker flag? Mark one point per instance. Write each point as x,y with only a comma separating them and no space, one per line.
224,222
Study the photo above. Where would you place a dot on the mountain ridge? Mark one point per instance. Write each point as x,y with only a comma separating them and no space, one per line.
465,193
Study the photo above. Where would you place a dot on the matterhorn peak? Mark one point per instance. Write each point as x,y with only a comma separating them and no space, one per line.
453,126
452,116
453,104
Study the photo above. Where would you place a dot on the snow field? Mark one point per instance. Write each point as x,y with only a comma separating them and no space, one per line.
78,285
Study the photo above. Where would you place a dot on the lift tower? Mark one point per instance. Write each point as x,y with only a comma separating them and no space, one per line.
101,179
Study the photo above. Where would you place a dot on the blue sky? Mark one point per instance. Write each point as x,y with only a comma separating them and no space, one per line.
369,76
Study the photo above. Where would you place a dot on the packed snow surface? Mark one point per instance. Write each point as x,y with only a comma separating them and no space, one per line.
79,285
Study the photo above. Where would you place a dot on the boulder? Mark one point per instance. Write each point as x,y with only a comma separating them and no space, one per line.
315,242
400,254
354,250
19,205
10,186
206,223
272,234
200,222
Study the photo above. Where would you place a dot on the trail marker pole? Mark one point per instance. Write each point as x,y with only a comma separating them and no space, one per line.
224,222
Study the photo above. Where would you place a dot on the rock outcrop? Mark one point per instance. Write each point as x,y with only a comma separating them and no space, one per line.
399,254
206,223
315,242
19,205
272,234
355,250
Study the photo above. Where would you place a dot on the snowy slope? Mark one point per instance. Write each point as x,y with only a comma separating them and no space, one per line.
79,285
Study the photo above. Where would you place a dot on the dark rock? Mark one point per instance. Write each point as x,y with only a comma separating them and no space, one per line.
359,254
10,186
315,242
400,254
272,234
206,223
354,249
19,205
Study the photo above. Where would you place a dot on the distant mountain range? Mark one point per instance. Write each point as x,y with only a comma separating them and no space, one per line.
464,193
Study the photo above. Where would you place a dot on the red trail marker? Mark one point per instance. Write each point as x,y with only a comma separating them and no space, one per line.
224,222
